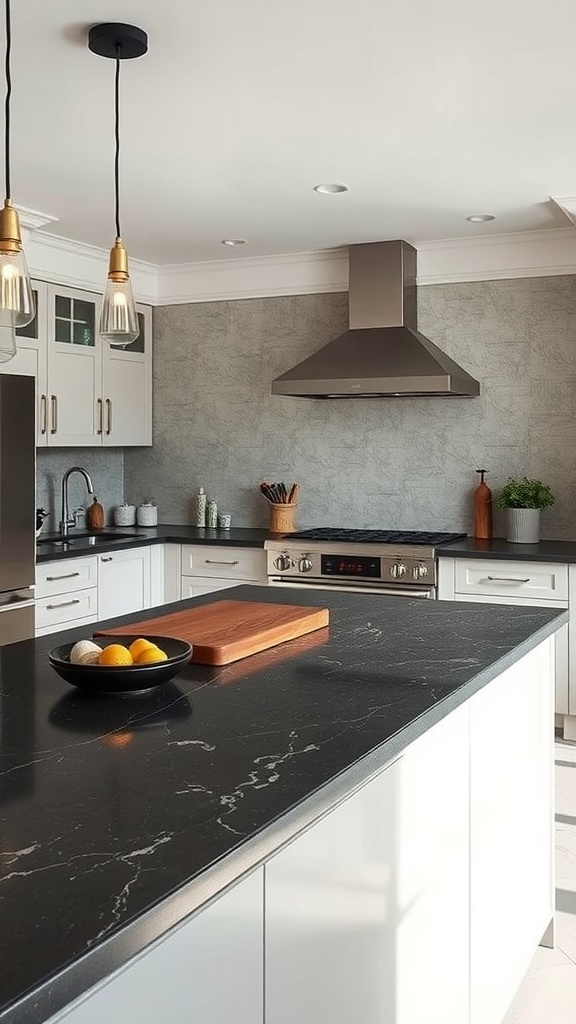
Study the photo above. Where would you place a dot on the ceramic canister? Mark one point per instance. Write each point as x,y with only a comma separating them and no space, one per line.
124,515
147,514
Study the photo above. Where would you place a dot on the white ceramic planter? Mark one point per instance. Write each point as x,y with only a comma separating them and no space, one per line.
523,525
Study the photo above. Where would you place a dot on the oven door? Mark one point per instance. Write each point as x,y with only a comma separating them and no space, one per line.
429,593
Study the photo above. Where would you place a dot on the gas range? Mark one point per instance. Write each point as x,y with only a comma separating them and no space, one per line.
376,561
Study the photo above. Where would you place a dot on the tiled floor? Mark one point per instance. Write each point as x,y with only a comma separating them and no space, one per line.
548,993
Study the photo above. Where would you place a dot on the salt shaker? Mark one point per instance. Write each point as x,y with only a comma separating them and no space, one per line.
200,508
211,513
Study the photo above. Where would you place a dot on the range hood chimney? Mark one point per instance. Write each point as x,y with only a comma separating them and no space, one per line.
382,354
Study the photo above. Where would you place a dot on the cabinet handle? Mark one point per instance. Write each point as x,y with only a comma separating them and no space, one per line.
43,414
508,579
68,576
54,403
109,416
216,561
110,559
100,416
63,604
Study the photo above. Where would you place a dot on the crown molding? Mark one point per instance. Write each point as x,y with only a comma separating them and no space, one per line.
488,257
79,265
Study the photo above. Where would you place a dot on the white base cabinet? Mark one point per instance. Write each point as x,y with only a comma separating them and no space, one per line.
418,899
78,591
210,969
503,581
206,568
123,582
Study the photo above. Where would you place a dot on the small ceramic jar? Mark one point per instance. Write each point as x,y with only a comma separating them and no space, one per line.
147,514
124,515
211,513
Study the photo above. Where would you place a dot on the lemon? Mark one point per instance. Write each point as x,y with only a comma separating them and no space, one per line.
115,654
150,655
139,645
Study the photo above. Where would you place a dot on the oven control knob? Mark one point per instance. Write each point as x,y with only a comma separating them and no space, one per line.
398,570
419,572
283,562
305,564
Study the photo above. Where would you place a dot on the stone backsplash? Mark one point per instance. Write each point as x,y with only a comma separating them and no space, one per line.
396,463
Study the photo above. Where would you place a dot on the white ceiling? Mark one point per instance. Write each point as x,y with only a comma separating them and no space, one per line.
429,111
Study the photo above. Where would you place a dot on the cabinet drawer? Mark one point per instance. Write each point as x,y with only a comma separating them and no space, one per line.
226,562
66,576
539,581
62,608
73,624
195,586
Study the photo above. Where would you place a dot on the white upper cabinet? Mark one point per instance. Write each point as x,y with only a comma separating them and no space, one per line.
88,395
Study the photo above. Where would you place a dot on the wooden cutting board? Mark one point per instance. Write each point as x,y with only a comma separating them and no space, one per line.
225,631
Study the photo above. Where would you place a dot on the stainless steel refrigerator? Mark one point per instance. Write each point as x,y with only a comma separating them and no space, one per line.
17,507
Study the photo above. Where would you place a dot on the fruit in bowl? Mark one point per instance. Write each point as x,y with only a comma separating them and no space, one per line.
127,664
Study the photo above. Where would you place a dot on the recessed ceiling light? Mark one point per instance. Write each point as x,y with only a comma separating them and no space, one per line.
331,187
478,218
233,241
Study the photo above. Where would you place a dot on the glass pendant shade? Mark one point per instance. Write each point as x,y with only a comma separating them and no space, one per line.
7,344
16,295
118,318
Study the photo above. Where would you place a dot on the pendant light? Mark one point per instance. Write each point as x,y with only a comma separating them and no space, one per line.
16,295
118,318
7,344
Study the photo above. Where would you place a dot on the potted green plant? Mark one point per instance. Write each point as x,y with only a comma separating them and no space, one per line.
523,500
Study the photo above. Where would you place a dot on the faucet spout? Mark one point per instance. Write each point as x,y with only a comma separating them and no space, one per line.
67,520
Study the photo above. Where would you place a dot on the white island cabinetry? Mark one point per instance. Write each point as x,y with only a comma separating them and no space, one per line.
503,581
416,893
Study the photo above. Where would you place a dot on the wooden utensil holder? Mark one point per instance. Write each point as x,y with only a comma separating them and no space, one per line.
282,517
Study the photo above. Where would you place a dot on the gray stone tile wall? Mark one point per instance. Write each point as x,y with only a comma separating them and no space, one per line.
105,466
397,463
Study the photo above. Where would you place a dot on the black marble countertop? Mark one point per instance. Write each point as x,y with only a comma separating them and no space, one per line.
120,816
544,551
80,542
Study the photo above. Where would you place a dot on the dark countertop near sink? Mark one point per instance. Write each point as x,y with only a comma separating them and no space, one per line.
121,816
544,551
467,547
140,536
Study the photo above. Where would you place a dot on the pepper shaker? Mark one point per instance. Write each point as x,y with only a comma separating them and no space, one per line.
211,513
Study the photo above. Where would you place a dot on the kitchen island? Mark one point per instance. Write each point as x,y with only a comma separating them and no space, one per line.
343,827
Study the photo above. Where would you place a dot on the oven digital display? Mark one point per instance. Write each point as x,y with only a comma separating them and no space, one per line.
350,565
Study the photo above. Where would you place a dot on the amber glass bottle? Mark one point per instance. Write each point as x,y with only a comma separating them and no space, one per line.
482,509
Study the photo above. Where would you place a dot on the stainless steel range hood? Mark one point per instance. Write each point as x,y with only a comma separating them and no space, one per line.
382,354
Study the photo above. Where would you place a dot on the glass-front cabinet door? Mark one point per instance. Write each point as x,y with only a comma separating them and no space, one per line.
127,387
74,394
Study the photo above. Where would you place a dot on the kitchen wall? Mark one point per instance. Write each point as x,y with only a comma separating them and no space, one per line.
406,463
106,468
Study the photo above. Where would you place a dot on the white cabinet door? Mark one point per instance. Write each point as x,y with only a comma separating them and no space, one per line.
208,970
74,369
195,586
366,915
127,388
30,359
511,829
123,582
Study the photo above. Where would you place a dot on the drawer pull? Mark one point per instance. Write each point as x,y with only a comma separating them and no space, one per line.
64,604
508,579
110,559
216,561
67,576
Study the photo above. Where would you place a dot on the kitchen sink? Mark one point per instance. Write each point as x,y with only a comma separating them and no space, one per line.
84,539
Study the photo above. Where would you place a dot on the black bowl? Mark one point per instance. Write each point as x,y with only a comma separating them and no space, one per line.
122,679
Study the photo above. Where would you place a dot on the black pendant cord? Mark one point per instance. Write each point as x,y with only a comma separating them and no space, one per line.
7,102
117,141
